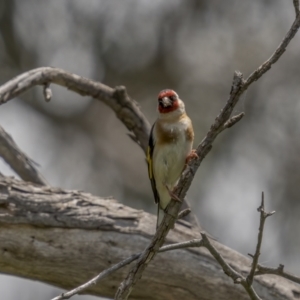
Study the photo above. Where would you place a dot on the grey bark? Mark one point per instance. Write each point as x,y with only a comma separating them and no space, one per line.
18,160
65,238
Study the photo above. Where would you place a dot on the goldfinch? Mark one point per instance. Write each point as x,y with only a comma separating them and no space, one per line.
170,146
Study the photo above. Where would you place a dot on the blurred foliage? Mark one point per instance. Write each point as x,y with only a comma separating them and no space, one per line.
192,47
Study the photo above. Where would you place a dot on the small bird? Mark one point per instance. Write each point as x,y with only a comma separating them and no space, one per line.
169,149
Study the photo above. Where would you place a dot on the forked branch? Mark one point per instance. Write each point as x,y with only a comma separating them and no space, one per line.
239,86
263,216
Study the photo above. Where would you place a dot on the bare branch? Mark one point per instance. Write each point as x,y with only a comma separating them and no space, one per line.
96,279
18,160
263,217
279,51
296,6
236,277
65,238
188,244
105,273
262,270
239,86
184,183
117,99
184,213
233,120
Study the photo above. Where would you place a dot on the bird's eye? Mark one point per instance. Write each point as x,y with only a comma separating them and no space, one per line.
172,98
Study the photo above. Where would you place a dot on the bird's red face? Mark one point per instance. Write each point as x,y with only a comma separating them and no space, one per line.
167,101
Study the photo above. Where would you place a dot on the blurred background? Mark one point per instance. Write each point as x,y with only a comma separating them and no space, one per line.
192,47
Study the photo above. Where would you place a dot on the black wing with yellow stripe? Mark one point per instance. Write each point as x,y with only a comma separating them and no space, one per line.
150,150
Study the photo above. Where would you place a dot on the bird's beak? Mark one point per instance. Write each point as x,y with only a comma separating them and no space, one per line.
165,101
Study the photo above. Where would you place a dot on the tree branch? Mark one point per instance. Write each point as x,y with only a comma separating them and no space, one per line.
279,271
279,51
239,86
64,238
172,210
18,160
263,216
117,99
236,277
296,7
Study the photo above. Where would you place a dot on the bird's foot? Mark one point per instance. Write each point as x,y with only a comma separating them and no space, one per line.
172,194
193,154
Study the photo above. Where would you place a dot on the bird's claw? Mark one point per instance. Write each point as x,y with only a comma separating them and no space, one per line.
193,154
172,194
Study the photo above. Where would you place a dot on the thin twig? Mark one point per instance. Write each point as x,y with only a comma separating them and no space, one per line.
296,6
18,160
188,244
235,276
233,120
279,271
47,92
184,213
105,273
229,271
172,210
96,279
279,51
263,217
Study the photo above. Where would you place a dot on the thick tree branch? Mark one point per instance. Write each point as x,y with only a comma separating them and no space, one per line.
18,160
117,99
64,238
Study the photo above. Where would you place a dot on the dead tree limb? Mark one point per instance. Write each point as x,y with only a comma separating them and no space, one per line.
65,238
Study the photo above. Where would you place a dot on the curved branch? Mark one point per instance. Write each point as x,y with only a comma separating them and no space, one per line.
117,99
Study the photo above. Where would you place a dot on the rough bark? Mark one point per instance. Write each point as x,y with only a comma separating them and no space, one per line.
66,237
